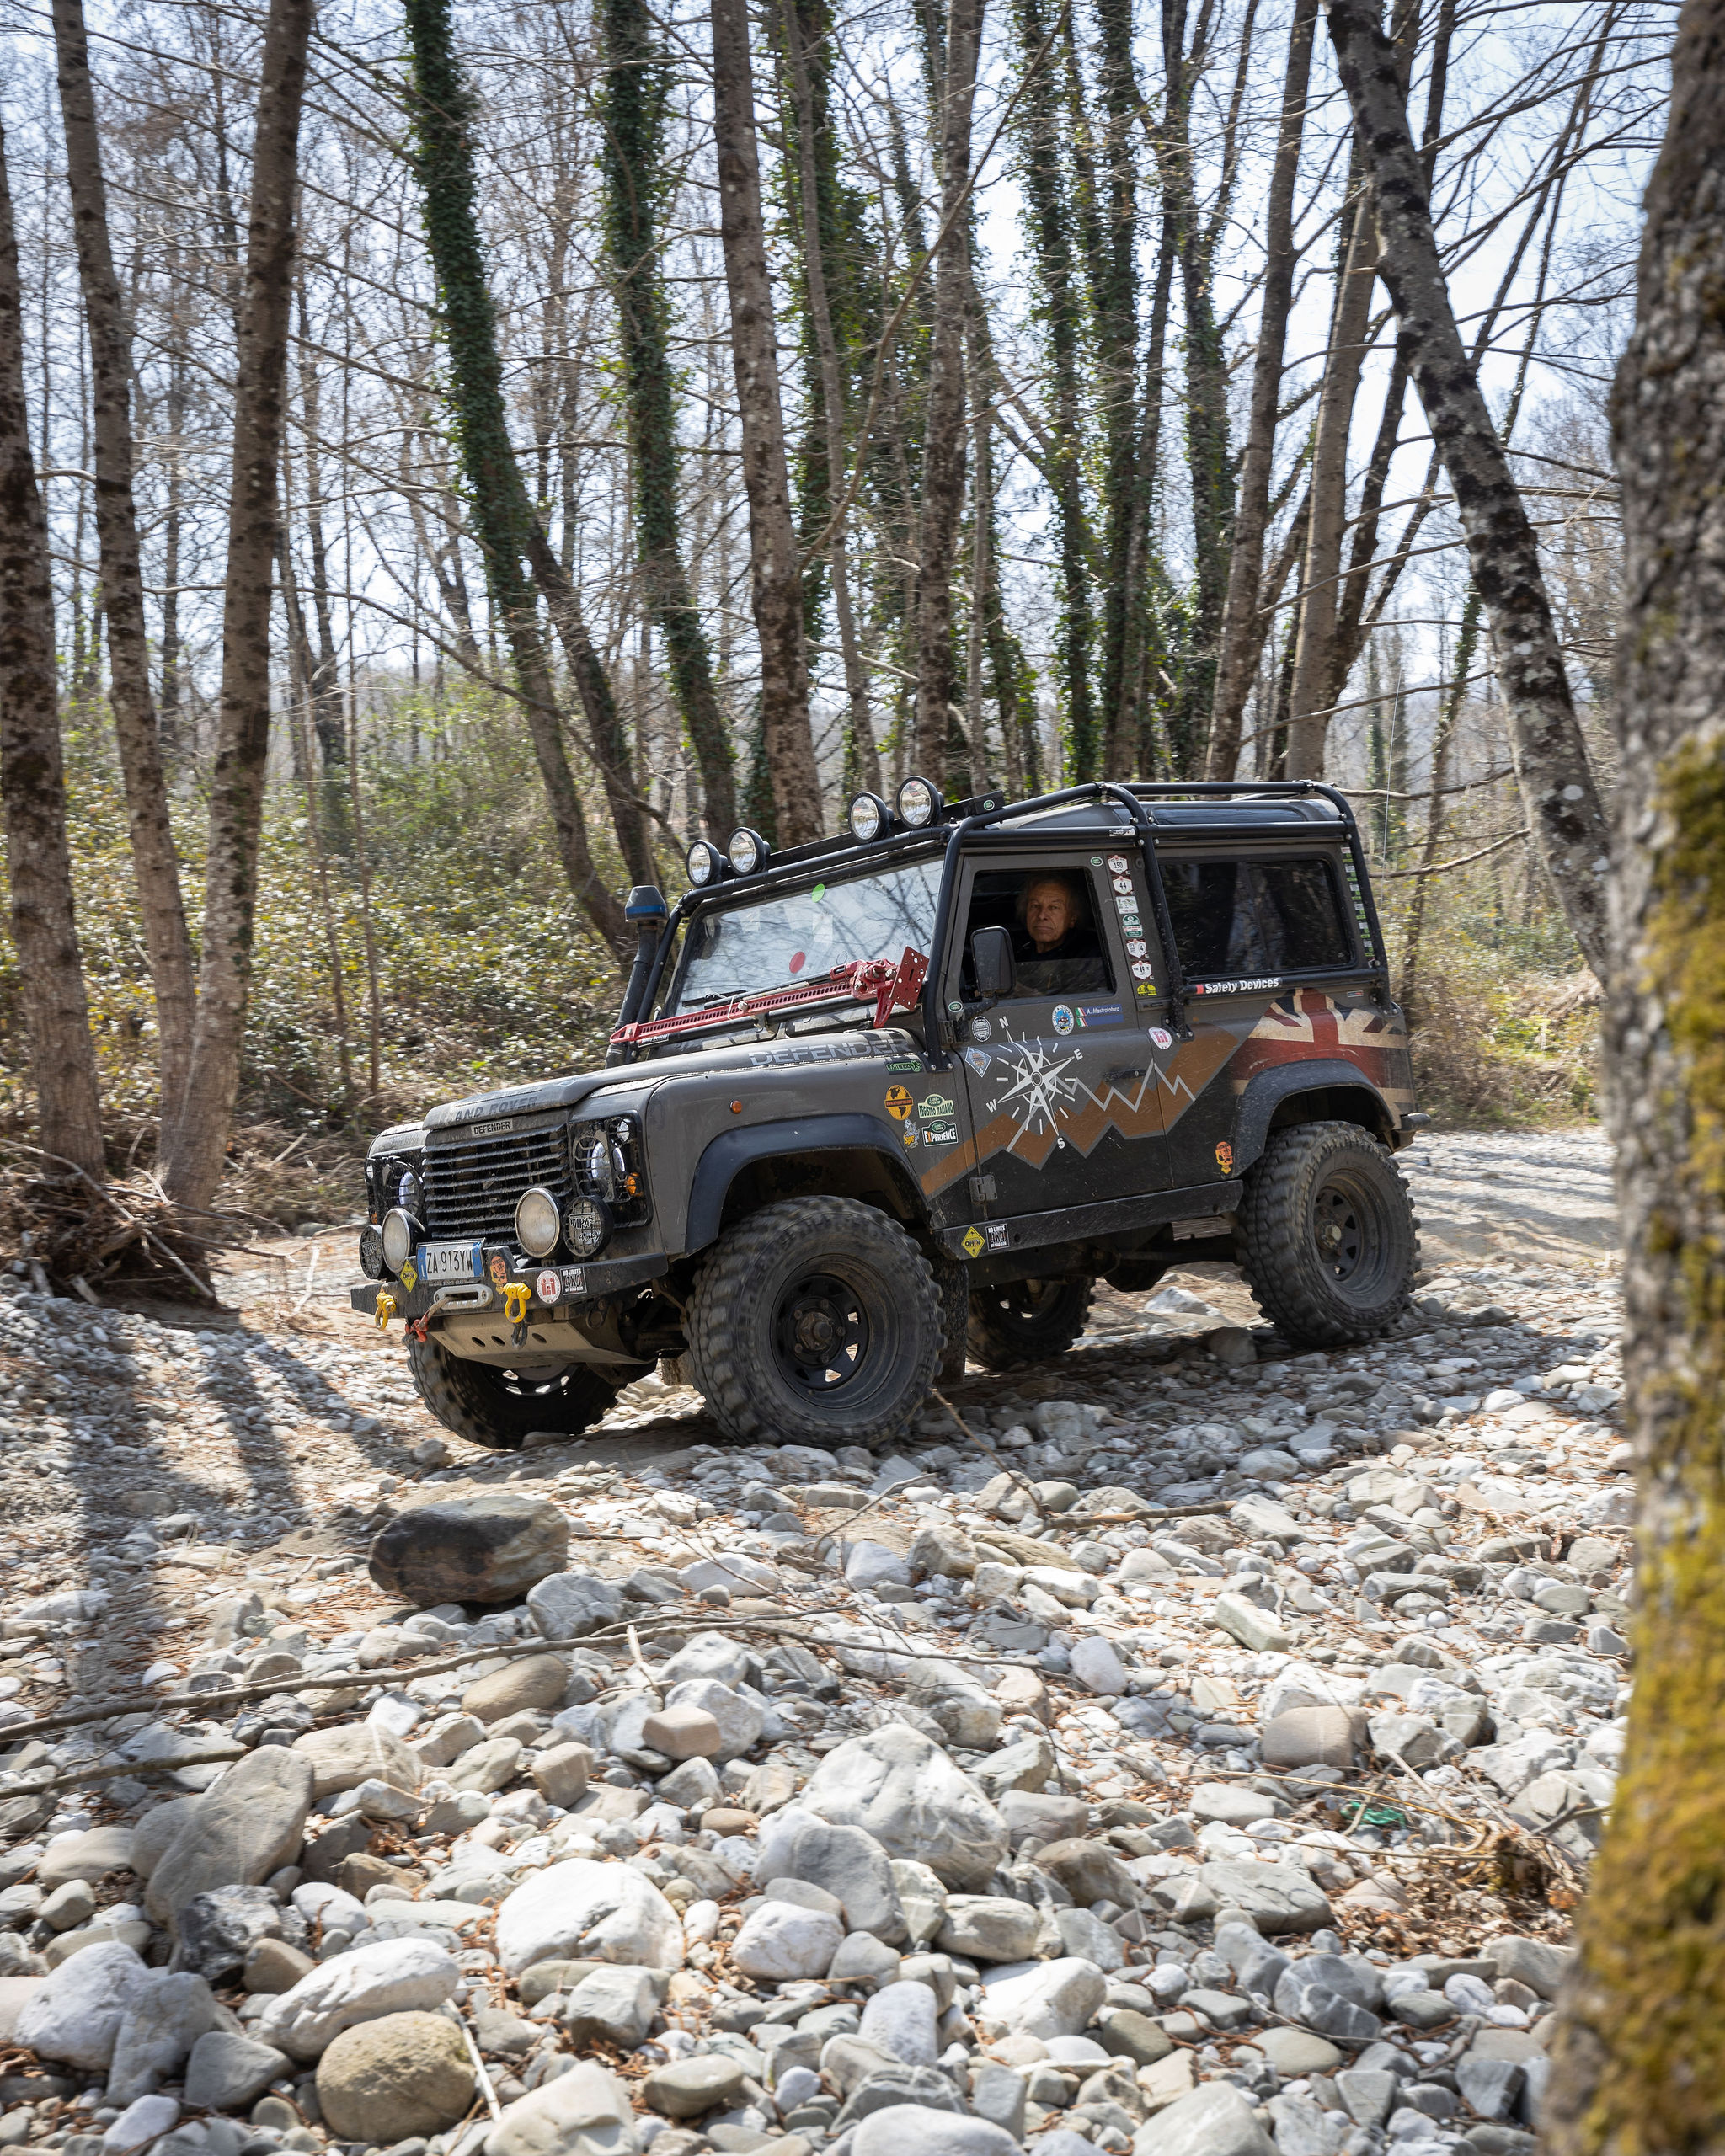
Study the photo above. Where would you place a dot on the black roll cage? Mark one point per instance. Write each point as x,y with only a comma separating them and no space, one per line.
965,819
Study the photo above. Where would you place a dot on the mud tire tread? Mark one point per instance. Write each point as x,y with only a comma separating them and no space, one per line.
998,1344
1278,1258
454,1391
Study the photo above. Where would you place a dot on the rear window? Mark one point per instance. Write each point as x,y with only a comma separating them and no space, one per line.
1236,919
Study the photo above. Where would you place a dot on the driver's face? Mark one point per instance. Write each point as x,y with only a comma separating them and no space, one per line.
1049,913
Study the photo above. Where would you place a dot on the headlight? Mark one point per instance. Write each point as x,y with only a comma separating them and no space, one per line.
402,1233
705,863
919,802
539,1223
587,1230
408,1195
748,851
372,1253
869,817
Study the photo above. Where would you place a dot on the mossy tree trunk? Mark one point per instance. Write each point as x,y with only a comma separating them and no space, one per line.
1638,2059
635,171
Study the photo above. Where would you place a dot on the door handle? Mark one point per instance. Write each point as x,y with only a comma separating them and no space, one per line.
1117,1077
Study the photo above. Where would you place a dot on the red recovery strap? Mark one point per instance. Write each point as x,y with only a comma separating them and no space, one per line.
894,988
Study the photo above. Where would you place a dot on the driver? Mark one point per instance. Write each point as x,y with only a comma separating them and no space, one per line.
1055,951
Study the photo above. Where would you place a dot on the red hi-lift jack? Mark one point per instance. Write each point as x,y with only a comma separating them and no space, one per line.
893,987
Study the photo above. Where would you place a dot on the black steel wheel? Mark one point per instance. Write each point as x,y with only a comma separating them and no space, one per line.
1331,1242
500,1408
1027,1320
816,1321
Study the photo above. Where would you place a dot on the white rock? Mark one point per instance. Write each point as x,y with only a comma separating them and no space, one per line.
585,2112
141,2123
900,2020
568,1605
75,2015
875,1564
782,1941
740,1720
709,1654
1046,1999
908,1794
1214,2121
392,1976
739,1573
164,2017
1097,1666
584,1910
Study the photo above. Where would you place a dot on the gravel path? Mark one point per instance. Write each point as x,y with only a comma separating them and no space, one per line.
1221,1731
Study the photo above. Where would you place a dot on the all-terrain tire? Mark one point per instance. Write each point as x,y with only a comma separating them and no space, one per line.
954,1282
1027,1320
491,1407
1331,1243
816,1321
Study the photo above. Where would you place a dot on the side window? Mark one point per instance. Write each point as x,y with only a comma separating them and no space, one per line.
1240,920
1053,917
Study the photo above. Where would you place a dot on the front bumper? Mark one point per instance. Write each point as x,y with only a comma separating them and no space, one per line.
580,1283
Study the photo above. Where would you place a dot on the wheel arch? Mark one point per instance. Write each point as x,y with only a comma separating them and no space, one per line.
1331,1090
852,1156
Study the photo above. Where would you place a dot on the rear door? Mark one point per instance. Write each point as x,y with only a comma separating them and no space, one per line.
1061,1079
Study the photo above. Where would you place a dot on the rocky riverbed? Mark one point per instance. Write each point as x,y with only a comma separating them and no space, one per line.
1188,1746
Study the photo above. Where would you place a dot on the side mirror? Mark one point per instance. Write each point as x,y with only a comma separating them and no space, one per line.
991,964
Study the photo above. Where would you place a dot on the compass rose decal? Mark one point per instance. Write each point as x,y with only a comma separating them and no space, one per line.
1039,1089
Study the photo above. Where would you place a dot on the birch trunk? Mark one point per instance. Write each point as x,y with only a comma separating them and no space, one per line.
776,569
155,865
1563,806
944,423
1638,2057
32,778
1237,661
195,1142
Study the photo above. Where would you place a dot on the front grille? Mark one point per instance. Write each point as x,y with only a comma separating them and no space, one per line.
472,1184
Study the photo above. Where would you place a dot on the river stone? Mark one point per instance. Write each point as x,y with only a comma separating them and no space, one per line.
568,1605
164,2017
898,2128
88,1856
218,1929
1047,1998
684,2088
1279,1897
1214,2121
1311,1736
582,1910
75,2014
904,1789
250,1824
391,1976
613,2003
227,2072
988,1928
155,1832
536,1680
384,2081
487,1547
781,1942
585,2112
847,1862
1090,1872
358,1752
899,2019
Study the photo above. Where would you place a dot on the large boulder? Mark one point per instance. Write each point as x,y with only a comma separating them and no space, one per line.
585,2112
392,1976
486,1547
358,1752
164,2017
580,1910
847,1862
904,1789
75,2014
1045,1999
1214,2121
250,1824
384,2081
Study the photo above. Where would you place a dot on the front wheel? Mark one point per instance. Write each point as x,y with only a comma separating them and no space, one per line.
1331,1242
816,1321
497,1408
1027,1320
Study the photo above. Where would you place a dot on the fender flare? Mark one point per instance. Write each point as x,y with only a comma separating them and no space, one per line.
727,1155
1265,1093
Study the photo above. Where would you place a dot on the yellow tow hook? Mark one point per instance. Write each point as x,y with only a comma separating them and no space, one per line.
516,1299
385,1308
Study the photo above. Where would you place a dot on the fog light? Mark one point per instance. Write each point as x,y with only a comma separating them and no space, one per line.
402,1235
919,802
587,1230
869,817
372,1253
539,1223
748,851
705,863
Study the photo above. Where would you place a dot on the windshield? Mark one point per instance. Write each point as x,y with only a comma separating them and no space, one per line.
779,942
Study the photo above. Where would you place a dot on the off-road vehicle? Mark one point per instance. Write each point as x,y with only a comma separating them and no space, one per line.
879,1101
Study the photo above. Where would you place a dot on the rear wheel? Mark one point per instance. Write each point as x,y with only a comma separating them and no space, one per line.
1331,1242
816,1321
1027,1320
954,1282
499,1409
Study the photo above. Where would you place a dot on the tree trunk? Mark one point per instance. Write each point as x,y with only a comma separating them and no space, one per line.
155,865
1237,659
32,778
775,565
944,422
1557,781
636,169
196,1143
1638,2057
327,726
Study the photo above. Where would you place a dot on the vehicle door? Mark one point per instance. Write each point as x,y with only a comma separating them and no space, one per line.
1258,935
1059,1081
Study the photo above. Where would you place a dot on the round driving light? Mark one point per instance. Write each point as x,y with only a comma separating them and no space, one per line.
705,863
748,851
372,1253
539,1223
408,1194
587,1228
402,1232
869,817
919,802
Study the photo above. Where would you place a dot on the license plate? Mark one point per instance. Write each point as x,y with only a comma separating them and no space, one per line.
449,1261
